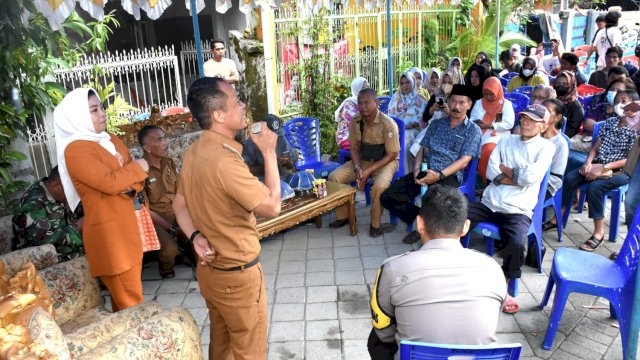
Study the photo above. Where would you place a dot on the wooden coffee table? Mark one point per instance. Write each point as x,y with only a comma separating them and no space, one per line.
302,208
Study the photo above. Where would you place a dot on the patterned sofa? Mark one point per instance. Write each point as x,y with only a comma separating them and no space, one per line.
84,329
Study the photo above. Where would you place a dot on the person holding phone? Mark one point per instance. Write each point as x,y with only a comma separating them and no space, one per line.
285,153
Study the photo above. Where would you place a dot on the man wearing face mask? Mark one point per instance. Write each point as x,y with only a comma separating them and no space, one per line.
601,170
527,76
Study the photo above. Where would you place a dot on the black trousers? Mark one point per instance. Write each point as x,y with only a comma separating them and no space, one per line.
513,232
398,198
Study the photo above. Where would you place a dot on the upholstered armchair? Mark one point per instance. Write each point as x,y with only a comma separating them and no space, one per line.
81,328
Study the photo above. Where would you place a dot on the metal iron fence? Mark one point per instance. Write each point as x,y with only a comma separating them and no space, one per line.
359,37
143,77
189,61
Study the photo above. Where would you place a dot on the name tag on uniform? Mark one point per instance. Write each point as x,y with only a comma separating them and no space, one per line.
152,180
390,134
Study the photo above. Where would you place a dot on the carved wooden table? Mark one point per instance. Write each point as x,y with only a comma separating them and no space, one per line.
302,208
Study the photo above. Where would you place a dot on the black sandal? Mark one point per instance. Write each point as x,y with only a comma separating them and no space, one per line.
592,244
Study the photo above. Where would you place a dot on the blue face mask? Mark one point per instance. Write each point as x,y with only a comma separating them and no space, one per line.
610,96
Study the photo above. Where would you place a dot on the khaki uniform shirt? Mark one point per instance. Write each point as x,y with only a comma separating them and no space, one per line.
221,194
383,130
443,294
161,188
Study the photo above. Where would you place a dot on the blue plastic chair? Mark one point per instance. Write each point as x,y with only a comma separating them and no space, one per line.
586,103
491,232
510,75
504,82
593,274
556,200
400,171
524,90
304,135
519,101
616,196
384,103
412,350
504,90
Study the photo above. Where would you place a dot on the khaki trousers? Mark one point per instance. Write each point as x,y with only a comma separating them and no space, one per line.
168,248
237,303
346,174
125,288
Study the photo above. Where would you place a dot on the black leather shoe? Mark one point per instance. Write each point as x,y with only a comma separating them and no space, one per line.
375,232
548,226
411,238
339,223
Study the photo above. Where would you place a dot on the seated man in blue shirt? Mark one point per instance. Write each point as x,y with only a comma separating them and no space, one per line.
287,156
448,146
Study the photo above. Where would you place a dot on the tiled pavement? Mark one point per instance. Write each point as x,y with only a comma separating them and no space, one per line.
319,280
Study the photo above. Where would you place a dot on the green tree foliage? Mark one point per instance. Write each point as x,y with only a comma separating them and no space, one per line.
479,34
321,90
29,53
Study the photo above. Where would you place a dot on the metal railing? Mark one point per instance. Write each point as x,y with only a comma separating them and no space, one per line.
189,61
418,34
143,77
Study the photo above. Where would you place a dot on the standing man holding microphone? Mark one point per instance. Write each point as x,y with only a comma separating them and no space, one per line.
215,205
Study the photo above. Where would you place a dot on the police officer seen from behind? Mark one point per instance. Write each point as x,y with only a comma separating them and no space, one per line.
286,154
216,204
442,293
374,154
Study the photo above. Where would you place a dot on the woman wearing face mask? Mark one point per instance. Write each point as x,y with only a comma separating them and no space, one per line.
495,117
436,108
565,86
433,81
475,78
347,110
527,76
456,63
417,76
408,106
95,168
601,106
602,168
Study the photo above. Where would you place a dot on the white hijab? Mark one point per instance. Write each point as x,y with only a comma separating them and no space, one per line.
356,85
72,121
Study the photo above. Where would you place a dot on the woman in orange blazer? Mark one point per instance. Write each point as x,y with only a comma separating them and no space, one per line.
96,168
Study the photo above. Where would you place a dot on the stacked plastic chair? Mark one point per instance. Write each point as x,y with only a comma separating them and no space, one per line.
304,135
519,101
593,274
524,90
384,103
586,90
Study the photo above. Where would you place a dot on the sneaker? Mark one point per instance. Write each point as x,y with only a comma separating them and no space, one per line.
411,238
375,232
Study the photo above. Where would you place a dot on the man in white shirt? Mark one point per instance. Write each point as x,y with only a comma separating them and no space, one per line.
219,66
516,168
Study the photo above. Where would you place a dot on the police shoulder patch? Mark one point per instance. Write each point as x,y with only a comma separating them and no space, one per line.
379,318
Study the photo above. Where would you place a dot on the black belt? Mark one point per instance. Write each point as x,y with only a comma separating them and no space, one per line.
241,267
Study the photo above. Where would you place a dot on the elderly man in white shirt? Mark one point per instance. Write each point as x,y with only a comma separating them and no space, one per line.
516,168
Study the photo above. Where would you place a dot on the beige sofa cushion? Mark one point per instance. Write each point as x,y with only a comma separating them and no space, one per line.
172,334
41,257
73,290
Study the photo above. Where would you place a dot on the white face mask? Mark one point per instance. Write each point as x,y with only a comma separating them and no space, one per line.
611,95
527,72
618,109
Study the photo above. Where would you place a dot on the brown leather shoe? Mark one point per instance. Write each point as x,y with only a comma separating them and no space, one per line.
375,232
167,274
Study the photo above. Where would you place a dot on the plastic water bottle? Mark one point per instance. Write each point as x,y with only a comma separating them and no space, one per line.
424,167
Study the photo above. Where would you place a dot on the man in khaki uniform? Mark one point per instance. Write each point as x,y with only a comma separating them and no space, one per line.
161,188
375,149
216,201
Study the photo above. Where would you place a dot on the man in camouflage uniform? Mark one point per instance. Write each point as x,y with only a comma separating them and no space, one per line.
43,218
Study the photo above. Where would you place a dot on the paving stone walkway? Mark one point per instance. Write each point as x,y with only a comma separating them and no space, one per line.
319,281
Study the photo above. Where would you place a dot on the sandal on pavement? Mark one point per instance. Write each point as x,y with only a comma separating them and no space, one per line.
510,305
592,244
549,225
